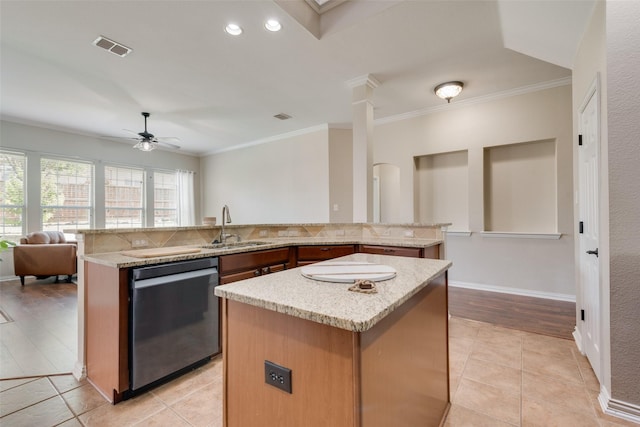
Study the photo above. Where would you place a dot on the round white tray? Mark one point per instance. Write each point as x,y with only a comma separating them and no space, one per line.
348,272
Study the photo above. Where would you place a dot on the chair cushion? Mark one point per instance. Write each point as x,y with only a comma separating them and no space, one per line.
44,237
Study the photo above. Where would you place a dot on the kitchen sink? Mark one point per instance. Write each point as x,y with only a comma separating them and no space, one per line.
233,245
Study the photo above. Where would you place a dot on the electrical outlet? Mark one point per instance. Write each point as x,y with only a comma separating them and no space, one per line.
277,376
408,233
136,243
264,233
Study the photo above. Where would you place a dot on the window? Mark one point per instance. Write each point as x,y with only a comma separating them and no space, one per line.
165,190
66,194
12,186
124,197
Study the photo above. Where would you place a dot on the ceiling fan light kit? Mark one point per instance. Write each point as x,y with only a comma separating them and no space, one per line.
145,145
448,90
148,141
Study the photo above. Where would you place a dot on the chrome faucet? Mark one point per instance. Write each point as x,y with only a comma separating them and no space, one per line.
225,210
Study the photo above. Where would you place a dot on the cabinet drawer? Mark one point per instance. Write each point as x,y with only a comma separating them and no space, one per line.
322,252
230,278
391,250
250,260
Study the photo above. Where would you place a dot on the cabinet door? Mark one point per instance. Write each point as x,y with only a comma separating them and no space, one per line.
251,260
432,252
392,250
322,252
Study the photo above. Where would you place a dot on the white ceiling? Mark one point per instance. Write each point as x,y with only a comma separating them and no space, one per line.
215,92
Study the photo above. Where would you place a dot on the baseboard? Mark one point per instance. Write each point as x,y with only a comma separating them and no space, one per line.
513,291
577,337
79,371
618,408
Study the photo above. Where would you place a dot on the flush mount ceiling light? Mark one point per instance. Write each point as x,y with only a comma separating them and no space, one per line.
233,29
448,90
273,25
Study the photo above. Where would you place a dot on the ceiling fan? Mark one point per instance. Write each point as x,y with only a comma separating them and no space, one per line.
148,141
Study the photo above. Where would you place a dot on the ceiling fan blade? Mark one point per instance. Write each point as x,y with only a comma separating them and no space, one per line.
168,139
167,144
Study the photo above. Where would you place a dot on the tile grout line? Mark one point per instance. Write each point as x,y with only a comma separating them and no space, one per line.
64,400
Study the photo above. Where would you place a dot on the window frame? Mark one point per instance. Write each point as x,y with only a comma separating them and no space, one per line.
143,198
23,207
90,207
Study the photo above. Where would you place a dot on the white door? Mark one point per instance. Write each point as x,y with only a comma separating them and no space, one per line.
588,201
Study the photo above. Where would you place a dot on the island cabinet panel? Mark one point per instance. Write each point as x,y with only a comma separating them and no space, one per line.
404,363
107,318
312,253
393,374
242,266
321,359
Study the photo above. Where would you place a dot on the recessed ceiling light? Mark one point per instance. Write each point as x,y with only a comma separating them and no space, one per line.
273,25
233,29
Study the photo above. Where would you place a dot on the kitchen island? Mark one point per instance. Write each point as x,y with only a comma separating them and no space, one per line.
355,359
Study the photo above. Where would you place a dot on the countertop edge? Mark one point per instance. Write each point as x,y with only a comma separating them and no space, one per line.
321,312
118,260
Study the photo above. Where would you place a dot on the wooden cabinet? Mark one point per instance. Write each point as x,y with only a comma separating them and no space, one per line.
365,378
432,252
391,250
107,323
314,253
246,265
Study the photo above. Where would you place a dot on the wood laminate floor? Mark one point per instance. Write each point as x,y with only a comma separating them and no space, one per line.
537,315
39,336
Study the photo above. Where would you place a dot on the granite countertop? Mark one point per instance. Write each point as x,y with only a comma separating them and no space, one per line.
119,260
332,304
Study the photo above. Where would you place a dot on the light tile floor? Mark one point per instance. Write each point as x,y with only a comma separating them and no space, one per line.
499,377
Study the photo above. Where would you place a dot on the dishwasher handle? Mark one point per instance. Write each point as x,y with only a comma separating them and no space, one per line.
172,278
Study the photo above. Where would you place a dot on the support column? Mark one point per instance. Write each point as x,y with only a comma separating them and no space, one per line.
363,147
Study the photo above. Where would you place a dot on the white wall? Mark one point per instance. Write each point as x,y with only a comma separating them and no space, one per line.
535,266
520,187
341,175
283,181
442,189
623,145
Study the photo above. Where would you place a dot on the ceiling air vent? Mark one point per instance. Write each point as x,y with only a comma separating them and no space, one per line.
282,116
113,47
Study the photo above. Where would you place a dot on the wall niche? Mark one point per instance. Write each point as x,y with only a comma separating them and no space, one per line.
442,189
520,186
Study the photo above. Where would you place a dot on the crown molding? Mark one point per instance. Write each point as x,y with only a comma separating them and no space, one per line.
477,100
367,79
279,137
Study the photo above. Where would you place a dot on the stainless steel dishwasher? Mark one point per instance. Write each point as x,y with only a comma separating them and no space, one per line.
174,319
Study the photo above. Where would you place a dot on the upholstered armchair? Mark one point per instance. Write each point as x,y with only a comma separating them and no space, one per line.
43,254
